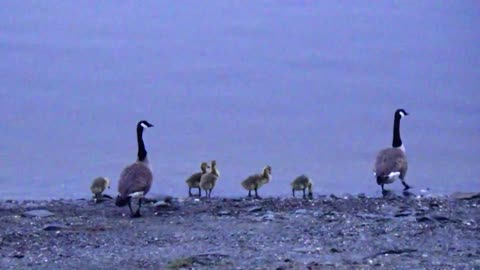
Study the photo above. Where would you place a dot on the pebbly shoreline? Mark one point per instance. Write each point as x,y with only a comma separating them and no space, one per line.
328,232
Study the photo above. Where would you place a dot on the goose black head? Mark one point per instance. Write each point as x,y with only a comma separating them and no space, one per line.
144,125
400,113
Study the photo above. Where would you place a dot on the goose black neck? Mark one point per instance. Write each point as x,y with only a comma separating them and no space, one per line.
397,141
142,152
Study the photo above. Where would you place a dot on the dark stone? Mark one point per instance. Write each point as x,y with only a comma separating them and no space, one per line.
255,209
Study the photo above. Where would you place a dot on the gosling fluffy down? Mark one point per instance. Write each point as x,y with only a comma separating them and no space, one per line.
254,182
302,182
194,180
99,185
208,180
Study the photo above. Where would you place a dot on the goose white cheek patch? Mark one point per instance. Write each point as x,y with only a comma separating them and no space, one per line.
143,125
402,114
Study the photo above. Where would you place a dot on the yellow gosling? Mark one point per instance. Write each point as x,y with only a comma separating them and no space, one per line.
194,180
254,182
208,180
302,182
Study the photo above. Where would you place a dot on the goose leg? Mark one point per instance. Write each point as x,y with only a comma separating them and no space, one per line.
249,193
293,192
304,196
407,187
199,192
137,213
130,206
256,194
189,191
210,193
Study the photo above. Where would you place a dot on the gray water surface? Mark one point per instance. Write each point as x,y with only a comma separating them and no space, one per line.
304,86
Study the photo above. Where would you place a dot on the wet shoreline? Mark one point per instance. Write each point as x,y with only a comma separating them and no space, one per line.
408,232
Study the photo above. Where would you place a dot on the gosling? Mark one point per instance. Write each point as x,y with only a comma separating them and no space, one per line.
208,180
302,182
254,182
194,180
99,185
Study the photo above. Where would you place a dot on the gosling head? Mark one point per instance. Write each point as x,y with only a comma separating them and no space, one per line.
214,163
267,170
400,113
204,166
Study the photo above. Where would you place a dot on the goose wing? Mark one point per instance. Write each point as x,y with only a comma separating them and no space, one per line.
390,160
134,178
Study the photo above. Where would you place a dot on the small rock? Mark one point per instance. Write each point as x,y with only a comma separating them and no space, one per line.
268,217
161,204
18,255
224,213
334,250
403,213
300,211
440,218
361,196
54,227
254,209
39,213
465,195
424,219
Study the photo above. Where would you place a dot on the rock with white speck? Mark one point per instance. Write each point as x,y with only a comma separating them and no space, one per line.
39,213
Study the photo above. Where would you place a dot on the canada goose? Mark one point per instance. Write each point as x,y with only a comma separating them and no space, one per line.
194,180
98,186
136,179
208,180
302,182
391,163
254,182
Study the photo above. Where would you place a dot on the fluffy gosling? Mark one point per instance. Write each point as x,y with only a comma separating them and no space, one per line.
302,182
194,180
254,182
99,185
208,180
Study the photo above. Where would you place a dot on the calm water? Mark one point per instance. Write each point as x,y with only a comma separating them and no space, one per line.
305,86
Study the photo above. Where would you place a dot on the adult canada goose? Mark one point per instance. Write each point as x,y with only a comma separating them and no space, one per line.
208,180
99,185
194,180
302,182
254,182
391,163
136,179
